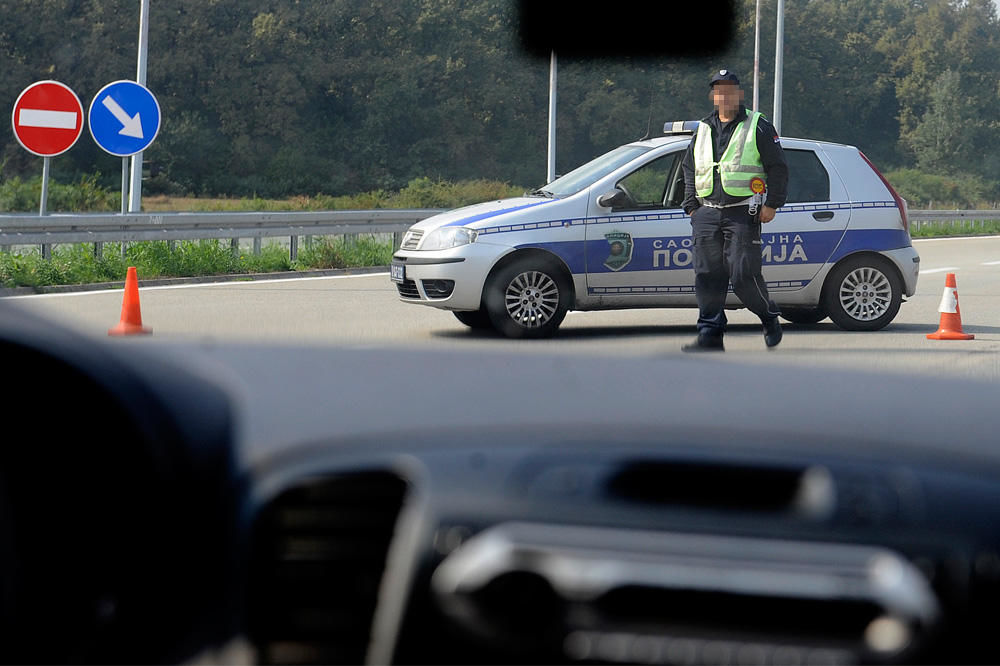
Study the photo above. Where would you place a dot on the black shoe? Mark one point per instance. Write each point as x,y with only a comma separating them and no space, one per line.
705,343
772,333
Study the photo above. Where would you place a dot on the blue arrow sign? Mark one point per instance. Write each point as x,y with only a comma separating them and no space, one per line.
124,118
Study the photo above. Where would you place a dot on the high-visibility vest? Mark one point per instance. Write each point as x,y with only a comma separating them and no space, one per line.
738,165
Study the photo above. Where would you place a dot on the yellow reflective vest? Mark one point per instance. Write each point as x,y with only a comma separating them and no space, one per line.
739,164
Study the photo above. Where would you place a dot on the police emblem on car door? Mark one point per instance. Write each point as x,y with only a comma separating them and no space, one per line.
630,246
620,251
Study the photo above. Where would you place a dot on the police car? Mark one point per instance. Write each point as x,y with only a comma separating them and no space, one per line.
611,235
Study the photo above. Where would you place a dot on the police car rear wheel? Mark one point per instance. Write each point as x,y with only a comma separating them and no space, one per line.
527,299
863,294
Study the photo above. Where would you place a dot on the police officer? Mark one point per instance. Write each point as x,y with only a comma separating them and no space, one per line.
734,155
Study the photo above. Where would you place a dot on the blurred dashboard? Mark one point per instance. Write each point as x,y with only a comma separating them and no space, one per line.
161,501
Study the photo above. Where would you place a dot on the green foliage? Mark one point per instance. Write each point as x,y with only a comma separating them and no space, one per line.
943,138
272,258
77,263
340,253
425,193
925,190
961,228
187,258
86,195
70,264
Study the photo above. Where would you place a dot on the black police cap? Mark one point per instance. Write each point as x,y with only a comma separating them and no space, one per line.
723,75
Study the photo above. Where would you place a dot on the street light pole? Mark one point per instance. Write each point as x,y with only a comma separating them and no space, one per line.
551,173
756,58
779,44
135,191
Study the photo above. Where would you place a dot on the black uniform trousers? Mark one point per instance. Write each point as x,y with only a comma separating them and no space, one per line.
727,248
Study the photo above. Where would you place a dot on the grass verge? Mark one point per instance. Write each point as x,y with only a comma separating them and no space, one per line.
957,228
77,263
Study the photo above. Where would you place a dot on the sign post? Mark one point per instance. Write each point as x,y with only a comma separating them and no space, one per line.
47,121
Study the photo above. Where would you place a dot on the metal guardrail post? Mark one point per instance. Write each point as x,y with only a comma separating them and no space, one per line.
256,246
293,248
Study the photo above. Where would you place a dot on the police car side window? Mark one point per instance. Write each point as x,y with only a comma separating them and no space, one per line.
648,185
807,178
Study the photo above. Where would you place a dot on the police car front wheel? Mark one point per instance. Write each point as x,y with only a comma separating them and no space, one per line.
476,319
863,293
803,315
527,299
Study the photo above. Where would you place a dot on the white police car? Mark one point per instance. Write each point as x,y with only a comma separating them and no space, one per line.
611,235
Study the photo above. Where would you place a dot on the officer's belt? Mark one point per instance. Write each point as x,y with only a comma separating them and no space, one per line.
712,204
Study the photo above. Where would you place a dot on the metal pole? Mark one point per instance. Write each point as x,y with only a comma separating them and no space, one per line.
45,186
45,249
135,201
551,173
756,59
125,199
779,44
124,185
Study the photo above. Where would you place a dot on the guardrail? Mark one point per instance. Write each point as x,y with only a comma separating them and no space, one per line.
971,218
98,228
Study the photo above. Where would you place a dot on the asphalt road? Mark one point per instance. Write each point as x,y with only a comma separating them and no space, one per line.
365,311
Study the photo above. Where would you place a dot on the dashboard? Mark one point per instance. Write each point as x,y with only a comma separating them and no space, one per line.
200,502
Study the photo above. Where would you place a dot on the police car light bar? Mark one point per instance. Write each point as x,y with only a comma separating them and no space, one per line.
680,127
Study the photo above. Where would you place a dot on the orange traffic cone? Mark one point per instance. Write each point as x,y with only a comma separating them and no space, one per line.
951,318
131,320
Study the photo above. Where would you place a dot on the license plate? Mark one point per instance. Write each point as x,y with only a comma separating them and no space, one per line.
397,272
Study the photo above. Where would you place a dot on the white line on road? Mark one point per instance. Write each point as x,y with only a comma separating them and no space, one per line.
991,263
234,283
47,118
939,270
950,238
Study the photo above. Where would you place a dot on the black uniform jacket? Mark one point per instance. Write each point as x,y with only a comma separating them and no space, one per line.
771,156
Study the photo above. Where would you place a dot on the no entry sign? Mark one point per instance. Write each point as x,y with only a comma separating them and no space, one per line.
47,118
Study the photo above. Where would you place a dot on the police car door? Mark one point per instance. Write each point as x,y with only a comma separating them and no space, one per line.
807,229
639,249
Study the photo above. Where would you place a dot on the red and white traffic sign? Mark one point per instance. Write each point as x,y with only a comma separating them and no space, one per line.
47,118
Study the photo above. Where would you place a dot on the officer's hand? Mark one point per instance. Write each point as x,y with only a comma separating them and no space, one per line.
766,214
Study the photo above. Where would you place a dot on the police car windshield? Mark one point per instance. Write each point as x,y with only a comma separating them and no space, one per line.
586,175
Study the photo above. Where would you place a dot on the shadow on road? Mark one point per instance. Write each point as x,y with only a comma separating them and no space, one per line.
577,332
930,328
673,331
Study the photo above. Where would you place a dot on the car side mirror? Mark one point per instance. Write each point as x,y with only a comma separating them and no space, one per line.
611,199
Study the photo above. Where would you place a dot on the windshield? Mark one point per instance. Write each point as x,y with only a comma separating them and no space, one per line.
586,175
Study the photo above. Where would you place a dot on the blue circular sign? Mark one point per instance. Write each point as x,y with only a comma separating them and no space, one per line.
124,118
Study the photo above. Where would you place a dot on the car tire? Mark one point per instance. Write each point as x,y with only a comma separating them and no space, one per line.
863,293
528,298
476,319
803,315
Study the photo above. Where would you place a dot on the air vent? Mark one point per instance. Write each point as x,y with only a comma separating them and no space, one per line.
318,556
745,488
408,289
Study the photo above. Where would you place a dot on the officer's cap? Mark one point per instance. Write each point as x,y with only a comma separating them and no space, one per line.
723,75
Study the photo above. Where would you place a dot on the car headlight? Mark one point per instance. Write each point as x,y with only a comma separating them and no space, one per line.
448,237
